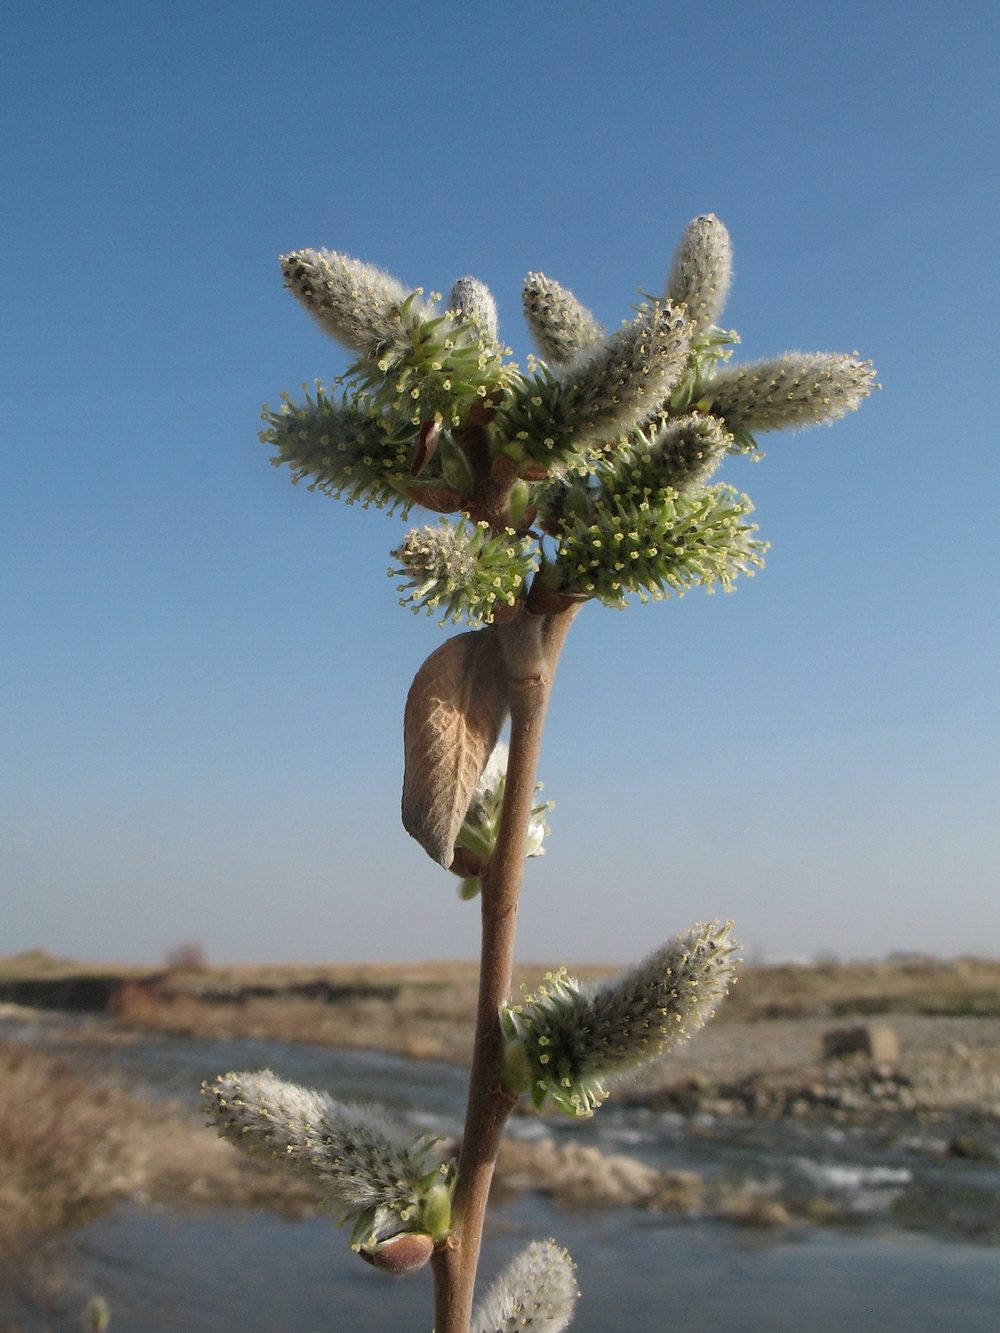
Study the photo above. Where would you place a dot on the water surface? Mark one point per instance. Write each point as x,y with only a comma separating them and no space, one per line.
920,1252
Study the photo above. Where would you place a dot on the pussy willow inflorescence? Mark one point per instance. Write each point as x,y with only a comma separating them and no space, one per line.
566,1039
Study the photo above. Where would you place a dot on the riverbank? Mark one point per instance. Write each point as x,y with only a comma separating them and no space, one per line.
762,1054
425,1010
98,1134
945,1067
73,1143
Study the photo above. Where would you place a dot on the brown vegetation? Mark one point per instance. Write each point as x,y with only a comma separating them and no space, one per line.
425,1010
913,984
72,1146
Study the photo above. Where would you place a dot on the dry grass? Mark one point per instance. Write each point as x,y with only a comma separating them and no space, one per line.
61,1146
71,1147
957,987
424,1022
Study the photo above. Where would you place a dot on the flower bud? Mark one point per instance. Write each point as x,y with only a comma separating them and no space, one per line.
356,303
365,1169
798,389
472,300
559,324
400,1254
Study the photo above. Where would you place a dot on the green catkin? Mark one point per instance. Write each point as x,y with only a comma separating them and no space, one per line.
461,570
340,450
653,544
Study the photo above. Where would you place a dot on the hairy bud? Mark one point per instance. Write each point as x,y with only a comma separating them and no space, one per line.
536,1291
682,454
355,303
567,417
701,273
560,326
96,1314
567,1039
798,389
622,382
472,300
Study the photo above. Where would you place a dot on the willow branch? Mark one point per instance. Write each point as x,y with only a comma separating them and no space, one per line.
532,645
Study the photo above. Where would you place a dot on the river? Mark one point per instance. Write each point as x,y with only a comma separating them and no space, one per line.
920,1250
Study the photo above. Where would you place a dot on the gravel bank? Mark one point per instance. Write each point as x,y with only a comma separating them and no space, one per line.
946,1064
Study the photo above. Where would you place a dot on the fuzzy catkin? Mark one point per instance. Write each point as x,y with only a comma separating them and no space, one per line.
797,389
682,454
620,384
560,326
656,1005
355,302
349,1154
565,1040
701,272
462,570
472,300
536,1292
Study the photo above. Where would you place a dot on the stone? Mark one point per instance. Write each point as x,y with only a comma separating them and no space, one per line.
877,1041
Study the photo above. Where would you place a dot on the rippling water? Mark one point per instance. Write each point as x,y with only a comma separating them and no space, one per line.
923,1253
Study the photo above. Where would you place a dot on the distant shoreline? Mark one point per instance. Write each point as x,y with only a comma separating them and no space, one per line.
424,1010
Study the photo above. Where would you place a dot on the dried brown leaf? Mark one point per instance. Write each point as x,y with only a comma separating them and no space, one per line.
455,711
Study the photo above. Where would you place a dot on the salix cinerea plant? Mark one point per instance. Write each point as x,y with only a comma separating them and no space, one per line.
588,475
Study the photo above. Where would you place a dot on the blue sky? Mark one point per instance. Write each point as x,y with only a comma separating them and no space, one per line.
205,668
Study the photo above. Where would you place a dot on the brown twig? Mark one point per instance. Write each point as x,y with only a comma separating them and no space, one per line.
532,645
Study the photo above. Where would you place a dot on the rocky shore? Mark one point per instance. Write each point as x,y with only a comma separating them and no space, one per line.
946,1066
